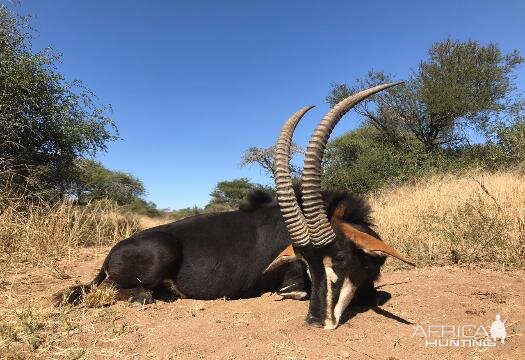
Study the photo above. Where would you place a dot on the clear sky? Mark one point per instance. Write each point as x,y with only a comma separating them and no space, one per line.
195,83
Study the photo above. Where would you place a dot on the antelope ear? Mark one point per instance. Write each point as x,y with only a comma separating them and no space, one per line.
286,256
368,242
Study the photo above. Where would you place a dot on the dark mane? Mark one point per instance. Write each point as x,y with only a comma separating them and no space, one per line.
257,199
356,208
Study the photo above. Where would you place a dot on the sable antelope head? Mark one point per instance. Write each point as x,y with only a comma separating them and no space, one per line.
333,251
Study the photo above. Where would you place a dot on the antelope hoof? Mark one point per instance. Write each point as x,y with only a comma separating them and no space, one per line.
143,298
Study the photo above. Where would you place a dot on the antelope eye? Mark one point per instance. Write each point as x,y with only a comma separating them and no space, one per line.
339,257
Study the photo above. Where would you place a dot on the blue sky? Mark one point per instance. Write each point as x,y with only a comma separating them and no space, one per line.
195,83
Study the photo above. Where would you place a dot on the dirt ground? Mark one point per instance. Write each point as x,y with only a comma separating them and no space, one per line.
263,328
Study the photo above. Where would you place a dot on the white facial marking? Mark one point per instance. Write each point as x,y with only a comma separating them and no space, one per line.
345,296
331,278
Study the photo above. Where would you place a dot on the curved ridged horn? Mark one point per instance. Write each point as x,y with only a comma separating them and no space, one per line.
321,232
293,217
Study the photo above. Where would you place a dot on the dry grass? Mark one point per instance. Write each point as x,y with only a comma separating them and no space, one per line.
33,331
100,297
474,218
146,222
46,233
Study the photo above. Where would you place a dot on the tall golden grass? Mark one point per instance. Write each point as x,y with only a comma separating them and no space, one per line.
43,232
447,219
451,219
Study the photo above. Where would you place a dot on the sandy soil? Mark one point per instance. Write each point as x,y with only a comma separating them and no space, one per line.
266,328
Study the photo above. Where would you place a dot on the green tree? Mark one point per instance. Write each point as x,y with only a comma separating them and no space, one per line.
185,212
228,194
511,141
141,206
264,157
95,182
461,86
46,122
363,160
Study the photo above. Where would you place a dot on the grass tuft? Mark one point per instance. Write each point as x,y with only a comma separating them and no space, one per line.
32,327
100,297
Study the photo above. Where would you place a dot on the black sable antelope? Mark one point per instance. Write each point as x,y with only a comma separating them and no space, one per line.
240,253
